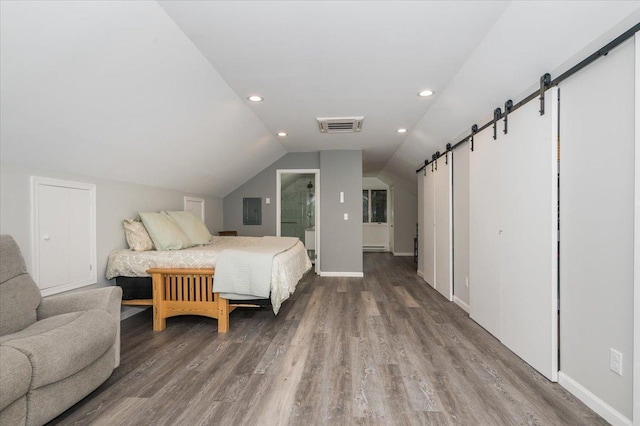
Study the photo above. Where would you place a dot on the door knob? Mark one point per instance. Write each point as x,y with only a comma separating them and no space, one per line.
46,237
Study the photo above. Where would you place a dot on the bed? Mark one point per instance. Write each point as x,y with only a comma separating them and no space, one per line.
182,281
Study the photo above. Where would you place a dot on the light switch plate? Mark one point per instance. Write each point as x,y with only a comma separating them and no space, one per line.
267,200
346,216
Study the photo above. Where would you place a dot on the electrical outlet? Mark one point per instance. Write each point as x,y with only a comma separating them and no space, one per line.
615,361
466,282
346,216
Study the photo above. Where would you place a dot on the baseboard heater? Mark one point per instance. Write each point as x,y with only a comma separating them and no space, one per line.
374,248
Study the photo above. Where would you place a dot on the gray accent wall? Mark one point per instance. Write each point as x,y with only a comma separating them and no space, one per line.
405,217
341,240
115,201
461,223
263,185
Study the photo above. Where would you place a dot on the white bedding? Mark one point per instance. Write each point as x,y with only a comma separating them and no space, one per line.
288,267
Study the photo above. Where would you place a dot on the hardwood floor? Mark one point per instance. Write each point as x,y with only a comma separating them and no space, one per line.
386,349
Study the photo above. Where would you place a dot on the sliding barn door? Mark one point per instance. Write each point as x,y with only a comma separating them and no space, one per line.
513,233
529,241
484,232
429,227
443,231
421,223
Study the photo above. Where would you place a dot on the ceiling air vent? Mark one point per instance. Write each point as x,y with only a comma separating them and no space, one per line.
340,124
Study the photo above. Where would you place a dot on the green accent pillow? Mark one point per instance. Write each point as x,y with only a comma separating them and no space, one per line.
164,232
192,226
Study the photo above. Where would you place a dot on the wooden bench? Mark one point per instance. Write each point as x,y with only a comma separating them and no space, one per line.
182,291
187,292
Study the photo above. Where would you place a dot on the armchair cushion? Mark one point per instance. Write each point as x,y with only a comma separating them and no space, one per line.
63,345
107,298
14,381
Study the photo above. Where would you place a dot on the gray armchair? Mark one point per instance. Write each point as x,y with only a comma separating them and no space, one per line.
53,351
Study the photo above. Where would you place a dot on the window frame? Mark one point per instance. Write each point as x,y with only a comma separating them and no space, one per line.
369,202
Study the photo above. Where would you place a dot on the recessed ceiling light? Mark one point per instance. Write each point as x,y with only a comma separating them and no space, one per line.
401,130
282,134
425,93
255,98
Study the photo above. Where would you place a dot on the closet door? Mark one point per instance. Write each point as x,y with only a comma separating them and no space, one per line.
484,229
443,231
429,227
529,212
421,223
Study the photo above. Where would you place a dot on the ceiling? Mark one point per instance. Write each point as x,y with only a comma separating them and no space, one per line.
335,59
155,92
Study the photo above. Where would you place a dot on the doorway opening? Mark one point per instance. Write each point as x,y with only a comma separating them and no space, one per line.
298,209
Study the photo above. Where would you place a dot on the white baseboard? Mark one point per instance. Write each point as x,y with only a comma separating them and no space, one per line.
420,274
460,303
375,249
402,254
607,412
342,274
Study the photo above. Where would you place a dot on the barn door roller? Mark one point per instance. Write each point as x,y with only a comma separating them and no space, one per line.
545,82
497,114
507,109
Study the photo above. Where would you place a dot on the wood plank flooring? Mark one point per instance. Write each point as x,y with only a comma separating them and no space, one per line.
381,350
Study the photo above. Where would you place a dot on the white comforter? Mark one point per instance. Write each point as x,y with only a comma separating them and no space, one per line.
288,266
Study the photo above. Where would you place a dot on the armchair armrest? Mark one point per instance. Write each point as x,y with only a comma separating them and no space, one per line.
107,299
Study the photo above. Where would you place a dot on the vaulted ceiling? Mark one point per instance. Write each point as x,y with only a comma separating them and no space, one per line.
156,93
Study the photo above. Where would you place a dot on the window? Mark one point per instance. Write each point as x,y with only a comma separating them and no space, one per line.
365,206
374,206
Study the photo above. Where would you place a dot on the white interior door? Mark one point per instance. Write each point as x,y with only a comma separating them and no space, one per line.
484,232
443,231
429,228
195,205
63,235
529,214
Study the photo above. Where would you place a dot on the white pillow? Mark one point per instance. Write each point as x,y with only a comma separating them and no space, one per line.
164,231
192,226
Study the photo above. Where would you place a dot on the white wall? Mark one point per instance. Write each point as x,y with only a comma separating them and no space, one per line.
405,206
376,234
115,201
95,87
596,227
